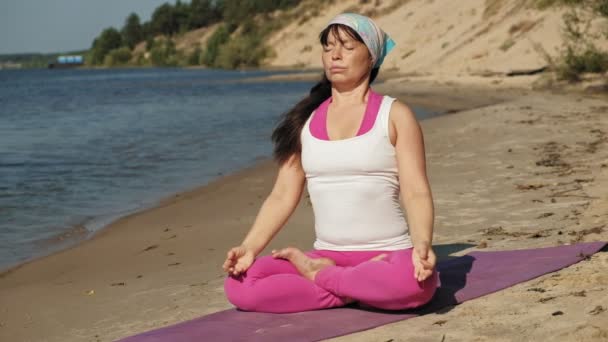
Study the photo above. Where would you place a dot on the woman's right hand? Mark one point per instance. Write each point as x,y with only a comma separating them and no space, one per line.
238,260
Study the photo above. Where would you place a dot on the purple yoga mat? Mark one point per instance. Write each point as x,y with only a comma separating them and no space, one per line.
462,278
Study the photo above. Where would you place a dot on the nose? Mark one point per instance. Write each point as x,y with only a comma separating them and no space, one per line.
336,53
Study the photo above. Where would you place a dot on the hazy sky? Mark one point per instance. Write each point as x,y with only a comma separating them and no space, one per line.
63,25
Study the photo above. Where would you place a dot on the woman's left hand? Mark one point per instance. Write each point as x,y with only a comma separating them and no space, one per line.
424,260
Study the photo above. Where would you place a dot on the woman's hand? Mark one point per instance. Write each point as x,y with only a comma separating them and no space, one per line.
424,260
238,260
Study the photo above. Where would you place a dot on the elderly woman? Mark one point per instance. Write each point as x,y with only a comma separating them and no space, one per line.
357,151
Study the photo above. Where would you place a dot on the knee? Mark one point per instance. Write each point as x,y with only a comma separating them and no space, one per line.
409,294
419,293
239,295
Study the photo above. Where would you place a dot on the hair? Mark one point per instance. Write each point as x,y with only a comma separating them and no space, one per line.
286,135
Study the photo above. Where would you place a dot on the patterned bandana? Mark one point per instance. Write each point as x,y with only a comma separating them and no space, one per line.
376,40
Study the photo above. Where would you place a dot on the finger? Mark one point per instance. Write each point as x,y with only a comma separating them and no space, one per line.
426,264
426,275
420,274
229,262
227,265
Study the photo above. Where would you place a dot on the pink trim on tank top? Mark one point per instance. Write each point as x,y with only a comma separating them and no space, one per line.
318,123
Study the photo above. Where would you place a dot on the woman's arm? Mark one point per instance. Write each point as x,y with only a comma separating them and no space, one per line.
278,206
415,190
274,213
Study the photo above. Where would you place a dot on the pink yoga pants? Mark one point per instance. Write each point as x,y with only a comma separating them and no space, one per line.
274,285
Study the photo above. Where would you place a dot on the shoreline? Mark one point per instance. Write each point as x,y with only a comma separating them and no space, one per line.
72,236
162,265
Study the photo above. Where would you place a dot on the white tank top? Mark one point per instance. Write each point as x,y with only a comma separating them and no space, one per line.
354,189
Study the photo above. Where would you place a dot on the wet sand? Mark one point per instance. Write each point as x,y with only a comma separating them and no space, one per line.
509,168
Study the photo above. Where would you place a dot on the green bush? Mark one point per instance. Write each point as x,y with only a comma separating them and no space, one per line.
244,51
573,63
217,39
117,57
140,60
580,53
195,56
163,53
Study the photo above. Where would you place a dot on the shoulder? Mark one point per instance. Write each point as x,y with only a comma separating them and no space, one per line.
402,121
401,115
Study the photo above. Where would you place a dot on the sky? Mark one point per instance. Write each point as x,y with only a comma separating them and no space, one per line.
28,26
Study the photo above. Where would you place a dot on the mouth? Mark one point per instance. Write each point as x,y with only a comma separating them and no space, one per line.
337,69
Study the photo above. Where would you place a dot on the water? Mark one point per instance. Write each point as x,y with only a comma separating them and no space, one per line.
79,148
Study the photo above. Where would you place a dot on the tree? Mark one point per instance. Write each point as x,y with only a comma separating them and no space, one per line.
132,32
108,40
234,11
164,20
181,12
201,14
147,31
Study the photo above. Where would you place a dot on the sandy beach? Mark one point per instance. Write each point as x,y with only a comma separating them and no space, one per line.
510,168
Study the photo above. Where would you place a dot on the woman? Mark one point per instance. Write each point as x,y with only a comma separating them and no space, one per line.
357,151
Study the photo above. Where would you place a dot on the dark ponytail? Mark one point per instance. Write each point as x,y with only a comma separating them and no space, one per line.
286,135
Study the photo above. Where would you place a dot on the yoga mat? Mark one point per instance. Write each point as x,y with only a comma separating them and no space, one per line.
461,278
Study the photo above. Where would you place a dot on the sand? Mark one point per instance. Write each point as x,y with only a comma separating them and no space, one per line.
510,168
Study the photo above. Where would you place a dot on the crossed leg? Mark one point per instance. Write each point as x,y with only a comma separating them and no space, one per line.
306,281
275,285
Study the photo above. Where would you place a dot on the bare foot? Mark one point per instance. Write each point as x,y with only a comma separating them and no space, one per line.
308,267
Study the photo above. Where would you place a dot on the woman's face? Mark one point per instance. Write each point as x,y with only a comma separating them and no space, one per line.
345,59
